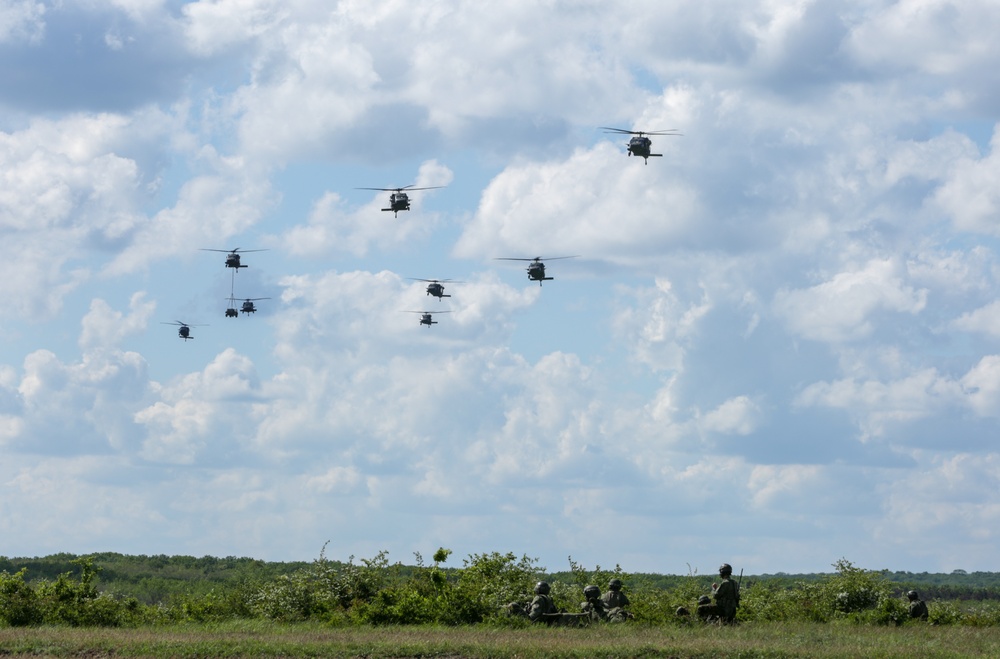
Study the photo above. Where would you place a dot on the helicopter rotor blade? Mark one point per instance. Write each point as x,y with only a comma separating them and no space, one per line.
231,251
537,258
406,187
622,131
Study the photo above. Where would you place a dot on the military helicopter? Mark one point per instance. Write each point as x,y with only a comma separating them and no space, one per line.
233,256
183,329
426,318
536,269
248,304
399,200
640,145
435,286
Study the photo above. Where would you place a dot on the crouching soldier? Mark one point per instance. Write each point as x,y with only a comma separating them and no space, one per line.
615,597
706,611
594,606
542,603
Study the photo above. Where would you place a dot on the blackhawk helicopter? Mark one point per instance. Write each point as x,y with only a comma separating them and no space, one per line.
536,269
426,318
183,329
640,145
248,304
435,287
233,256
399,200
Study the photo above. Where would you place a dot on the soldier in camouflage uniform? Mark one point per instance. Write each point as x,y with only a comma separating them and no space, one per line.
542,604
726,594
918,609
615,597
594,605
706,611
598,608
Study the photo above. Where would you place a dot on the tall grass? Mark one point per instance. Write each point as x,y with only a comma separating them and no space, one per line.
271,639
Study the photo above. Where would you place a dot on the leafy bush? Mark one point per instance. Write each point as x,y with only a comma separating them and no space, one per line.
769,602
321,590
77,602
494,580
19,604
427,596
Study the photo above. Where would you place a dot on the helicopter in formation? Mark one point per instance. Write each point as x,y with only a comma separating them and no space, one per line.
399,200
435,287
248,306
427,318
233,256
640,145
183,329
536,269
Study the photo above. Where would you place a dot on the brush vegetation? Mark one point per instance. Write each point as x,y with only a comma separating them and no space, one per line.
169,606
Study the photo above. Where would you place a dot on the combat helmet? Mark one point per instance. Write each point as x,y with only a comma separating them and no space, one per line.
591,592
542,588
912,595
725,570
615,584
704,599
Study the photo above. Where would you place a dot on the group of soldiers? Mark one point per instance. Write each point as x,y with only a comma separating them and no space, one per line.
609,607
720,607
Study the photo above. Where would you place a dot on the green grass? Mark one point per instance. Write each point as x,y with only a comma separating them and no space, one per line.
264,639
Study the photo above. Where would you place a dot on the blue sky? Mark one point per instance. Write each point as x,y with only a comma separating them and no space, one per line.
778,346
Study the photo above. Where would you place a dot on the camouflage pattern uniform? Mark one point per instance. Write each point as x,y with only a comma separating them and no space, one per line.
540,606
594,606
918,609
615,597
727,598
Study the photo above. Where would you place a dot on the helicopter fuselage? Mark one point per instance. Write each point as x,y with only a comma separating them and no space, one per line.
426,319
437,290
398,201
642,146
536,272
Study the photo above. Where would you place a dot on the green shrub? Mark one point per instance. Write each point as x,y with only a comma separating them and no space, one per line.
769,602
492,581
19,604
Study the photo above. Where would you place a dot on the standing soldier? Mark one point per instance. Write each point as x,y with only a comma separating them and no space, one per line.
918,609
615,597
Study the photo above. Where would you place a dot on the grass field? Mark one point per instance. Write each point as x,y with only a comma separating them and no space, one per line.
257,639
